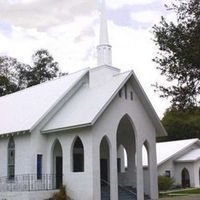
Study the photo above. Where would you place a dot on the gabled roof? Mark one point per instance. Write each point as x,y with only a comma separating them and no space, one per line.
88,104
191,156
21,110
168,150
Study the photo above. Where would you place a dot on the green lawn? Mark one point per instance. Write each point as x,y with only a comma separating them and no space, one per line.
182,192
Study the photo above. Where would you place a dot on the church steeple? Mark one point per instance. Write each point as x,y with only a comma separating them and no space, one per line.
104,50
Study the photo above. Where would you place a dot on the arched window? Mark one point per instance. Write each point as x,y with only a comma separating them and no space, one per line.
11,158
78,156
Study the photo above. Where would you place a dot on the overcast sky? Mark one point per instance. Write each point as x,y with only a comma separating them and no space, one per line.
69,29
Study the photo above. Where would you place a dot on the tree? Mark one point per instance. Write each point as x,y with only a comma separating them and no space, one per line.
178,57
15,76
182,124
11,79
44,68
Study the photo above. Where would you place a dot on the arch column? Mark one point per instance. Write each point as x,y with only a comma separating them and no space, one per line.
153,174
139,170
113,171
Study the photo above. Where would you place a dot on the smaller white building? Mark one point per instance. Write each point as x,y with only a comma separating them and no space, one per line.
179,160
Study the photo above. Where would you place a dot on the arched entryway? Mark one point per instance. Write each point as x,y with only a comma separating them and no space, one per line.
126,139
185,178
105,167
57,164
146,169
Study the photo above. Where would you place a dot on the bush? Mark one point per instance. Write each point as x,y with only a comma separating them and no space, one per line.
61,195
165,183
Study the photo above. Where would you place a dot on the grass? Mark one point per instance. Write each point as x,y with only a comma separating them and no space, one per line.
188,191
181,192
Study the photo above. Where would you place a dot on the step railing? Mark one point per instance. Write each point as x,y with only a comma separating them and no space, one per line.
121,187
124,188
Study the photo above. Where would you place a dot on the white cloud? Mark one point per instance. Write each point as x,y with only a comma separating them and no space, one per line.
147,16
115,4
60,40
45,13
73,42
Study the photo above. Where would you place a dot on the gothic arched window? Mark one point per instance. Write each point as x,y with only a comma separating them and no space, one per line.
11,158
78,156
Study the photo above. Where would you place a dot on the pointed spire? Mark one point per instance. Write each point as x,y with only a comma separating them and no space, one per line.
103,26
104,50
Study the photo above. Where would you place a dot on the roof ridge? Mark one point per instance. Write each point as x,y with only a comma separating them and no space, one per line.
48,81
121,73
178,140
183,148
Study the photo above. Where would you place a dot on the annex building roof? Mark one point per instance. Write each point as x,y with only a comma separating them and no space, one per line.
168,150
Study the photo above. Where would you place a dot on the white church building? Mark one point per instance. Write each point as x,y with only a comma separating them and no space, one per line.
71,131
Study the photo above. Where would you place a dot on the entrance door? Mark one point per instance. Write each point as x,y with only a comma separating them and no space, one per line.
104,171
185,178
58,171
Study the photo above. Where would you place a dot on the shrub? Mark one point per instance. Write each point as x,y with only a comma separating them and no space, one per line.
61,195
165,183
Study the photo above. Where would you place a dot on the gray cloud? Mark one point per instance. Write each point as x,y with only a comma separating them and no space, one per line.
45,13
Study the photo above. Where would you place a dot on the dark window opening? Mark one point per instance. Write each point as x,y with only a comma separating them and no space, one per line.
120,93
78,156
11,159
168,173
125,90
131,94
39,166
118,165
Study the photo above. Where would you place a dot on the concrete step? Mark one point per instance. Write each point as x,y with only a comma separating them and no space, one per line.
124,193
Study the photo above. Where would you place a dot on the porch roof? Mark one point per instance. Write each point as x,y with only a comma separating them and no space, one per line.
191,156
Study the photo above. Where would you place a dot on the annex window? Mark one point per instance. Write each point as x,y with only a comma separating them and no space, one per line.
39,166
78,156
168,173
11,159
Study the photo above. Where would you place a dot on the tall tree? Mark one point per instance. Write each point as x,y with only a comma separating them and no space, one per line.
178,58
44,68
182,124
15,75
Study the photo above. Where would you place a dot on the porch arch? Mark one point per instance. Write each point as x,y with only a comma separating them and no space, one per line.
104,151
57,164
146,167
126,136
122,159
